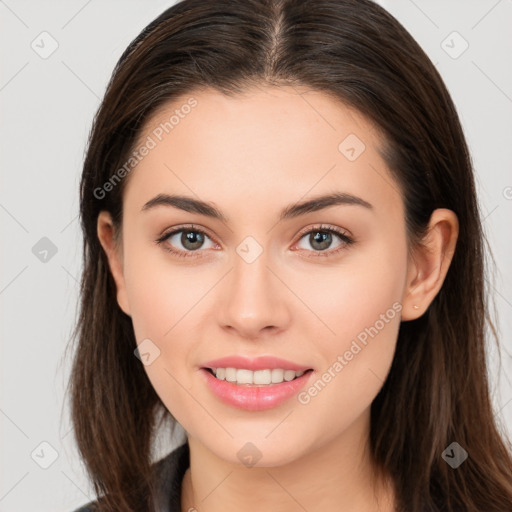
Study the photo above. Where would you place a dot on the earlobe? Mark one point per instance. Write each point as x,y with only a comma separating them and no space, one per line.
429,263
106,232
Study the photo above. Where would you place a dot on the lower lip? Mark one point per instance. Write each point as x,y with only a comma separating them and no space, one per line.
255,398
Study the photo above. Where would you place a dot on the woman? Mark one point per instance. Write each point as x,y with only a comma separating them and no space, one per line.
283,253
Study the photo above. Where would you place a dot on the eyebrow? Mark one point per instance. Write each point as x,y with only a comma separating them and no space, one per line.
189,204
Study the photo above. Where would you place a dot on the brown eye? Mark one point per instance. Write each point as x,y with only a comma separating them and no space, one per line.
185,241
322,238
191,240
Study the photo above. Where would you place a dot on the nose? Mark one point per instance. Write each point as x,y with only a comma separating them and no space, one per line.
253,300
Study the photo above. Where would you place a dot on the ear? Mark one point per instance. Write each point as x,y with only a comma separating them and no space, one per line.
429,263
113,251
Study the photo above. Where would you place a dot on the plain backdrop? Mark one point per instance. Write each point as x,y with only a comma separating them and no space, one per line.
57,57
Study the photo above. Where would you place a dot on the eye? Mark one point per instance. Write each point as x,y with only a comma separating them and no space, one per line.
190,238
321,239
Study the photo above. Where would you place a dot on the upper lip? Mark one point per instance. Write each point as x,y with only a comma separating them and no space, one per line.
258,363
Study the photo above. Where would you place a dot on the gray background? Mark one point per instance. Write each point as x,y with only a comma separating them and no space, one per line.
47,106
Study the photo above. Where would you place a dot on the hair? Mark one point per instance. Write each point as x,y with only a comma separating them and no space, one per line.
437,390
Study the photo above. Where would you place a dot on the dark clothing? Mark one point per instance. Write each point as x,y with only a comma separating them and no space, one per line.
170,471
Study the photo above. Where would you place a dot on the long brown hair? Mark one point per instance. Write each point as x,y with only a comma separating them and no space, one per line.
437,390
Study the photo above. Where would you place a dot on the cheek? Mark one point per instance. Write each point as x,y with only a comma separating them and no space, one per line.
162,297
161,293
167,301
355,362
364,289
359,304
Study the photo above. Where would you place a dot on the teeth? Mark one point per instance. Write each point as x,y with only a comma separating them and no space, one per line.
259,377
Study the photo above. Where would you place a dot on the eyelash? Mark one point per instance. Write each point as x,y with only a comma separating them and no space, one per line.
346,241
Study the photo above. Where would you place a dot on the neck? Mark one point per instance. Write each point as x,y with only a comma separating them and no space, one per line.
337,475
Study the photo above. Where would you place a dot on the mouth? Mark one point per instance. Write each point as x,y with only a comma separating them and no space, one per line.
258,378
255,390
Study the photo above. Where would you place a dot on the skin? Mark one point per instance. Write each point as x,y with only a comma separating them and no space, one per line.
250,156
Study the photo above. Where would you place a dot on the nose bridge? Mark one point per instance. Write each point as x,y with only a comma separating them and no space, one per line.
252,297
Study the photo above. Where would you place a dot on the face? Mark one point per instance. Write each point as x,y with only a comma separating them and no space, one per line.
320,287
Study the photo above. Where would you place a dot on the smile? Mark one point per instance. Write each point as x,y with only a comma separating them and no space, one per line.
266,377
249,395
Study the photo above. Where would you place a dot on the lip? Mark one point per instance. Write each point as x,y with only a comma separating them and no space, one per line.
252,397
258,363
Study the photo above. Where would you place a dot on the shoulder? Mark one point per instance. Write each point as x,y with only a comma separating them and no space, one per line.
86,508
169,471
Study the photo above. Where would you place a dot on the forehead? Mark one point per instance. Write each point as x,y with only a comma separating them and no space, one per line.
271,144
